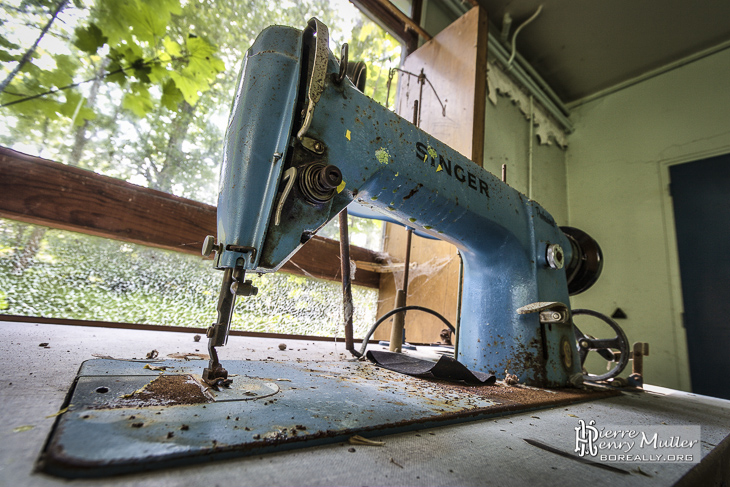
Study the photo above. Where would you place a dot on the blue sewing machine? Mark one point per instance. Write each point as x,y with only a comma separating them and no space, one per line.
303,143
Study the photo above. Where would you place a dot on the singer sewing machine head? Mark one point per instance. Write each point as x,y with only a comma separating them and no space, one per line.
303,143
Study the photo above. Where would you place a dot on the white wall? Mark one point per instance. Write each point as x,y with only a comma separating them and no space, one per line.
617,170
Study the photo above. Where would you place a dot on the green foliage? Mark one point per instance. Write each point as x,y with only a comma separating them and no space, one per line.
89,39
135,284
155,82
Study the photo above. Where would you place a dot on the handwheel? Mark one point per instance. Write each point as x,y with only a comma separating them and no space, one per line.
604,347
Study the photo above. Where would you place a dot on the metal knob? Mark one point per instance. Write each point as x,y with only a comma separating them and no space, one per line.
209,246
244,289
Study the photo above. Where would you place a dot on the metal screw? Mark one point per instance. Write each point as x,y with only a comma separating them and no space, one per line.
318,146
584,344
556,316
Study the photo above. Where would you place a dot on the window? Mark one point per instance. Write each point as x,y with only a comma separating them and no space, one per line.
142,93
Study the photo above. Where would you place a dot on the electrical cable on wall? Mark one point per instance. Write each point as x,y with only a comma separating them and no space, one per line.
517,31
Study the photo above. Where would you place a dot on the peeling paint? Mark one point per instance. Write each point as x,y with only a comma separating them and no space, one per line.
382,155
545,128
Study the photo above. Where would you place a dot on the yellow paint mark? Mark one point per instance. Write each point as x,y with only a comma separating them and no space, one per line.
21,429
347,135
342,185
396,174
439,168
425,157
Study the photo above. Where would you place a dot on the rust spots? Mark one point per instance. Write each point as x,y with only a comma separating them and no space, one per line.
413,191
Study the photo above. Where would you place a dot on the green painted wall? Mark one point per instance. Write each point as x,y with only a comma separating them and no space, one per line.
617,170
507,141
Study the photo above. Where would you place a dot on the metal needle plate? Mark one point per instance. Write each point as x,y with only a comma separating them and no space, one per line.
111,427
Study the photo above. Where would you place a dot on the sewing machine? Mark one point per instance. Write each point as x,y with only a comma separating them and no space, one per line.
303,143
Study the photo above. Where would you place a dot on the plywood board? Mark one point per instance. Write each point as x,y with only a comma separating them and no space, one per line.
455,64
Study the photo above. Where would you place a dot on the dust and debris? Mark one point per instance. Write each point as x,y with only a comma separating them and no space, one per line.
359,440
60,412
137,425
641,472
510,379
351,450
196,338
24,428
164,390
44,345
282,346
189,356
184,427
157,367
152,355
392,460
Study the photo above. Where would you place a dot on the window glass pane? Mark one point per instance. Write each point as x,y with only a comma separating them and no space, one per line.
141,90
57,274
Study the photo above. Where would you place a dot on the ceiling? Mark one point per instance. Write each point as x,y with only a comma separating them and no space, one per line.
583,47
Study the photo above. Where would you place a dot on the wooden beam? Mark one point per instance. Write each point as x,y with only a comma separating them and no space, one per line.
407,21
44,192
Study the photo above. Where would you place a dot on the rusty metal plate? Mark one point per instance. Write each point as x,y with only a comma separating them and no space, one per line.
124,418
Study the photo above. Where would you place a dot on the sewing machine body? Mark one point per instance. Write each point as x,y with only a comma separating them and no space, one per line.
390,165
113,422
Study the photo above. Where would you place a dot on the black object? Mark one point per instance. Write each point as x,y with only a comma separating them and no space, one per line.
619,314
700,192
446,368
586,263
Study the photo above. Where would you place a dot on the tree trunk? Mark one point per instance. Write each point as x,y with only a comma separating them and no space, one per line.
174,156
25,258
80,139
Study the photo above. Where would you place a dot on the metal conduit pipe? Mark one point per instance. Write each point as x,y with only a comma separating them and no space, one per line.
522,72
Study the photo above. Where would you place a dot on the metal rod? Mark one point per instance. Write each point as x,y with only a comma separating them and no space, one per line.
421,81
409,237
504,173
422,78
401,297
347,304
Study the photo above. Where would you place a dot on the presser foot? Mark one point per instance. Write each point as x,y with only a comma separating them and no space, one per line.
215,375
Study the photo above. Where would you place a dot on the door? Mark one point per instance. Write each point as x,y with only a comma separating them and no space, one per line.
701,195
